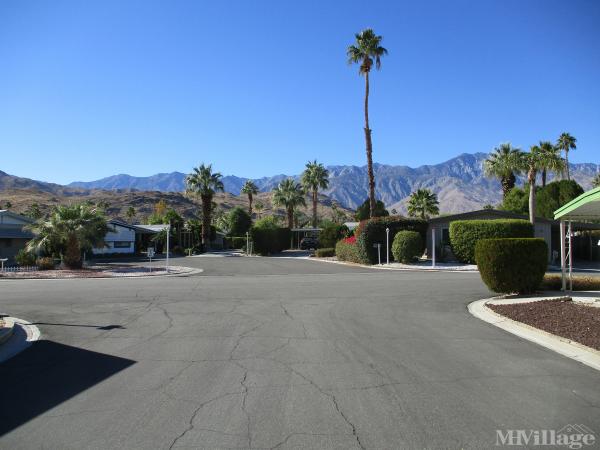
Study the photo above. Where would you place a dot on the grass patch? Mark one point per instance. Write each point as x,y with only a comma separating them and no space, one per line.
553,282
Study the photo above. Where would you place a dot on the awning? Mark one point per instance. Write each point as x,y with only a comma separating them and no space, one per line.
584,207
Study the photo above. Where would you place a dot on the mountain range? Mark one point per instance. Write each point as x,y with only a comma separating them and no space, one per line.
459,183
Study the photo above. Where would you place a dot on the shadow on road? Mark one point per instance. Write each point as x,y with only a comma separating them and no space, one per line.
46,375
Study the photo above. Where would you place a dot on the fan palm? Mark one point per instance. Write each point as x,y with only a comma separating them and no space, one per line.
315,177
69,231
566,142
503,163
550,160
289,195
205,183
250,189
423,203
367,52
259,207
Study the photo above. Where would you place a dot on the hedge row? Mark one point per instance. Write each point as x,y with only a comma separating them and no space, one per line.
514,265
372,231
347,251
325,252
269,240
464,234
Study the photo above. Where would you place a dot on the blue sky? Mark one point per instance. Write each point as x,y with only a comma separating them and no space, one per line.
91,89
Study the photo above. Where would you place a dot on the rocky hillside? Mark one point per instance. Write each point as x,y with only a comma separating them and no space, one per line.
458,182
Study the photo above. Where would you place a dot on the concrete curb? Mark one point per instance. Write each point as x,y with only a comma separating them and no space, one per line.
6,331
24,334
563,346
190,272
384,267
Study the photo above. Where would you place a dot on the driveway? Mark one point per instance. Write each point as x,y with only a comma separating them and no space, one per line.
277,353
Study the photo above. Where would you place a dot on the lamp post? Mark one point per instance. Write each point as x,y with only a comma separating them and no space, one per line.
387,244
432,247
168,233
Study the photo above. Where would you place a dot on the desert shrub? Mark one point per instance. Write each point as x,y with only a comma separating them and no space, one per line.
347,250
268,237
372,231
553,282
237,241
464,234
512,264
25,258
407,246
325,252
45,263
331,233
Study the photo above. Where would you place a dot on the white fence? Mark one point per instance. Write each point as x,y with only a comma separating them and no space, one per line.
19,269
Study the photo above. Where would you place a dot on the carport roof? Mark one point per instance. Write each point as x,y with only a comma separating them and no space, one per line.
584,207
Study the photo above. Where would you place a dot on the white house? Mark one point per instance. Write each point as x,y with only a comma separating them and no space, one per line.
13,235
120,240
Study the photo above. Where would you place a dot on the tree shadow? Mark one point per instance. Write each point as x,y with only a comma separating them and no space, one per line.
46,375
99,327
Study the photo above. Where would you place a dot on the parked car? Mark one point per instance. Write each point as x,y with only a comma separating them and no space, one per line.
309,243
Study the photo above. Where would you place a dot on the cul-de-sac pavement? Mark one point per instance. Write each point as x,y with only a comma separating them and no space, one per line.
277,353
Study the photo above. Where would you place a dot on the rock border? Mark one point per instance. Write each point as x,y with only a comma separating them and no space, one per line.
563,346
183,272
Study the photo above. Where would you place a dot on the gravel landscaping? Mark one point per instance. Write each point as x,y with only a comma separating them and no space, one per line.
565,318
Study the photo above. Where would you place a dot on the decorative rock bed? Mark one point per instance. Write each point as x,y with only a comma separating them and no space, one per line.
108,272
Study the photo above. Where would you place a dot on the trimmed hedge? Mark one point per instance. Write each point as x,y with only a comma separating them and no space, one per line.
270,240
407,246
372,231
512,264
325,252
464,234
347,251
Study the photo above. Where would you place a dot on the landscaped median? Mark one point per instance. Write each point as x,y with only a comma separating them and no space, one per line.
125,271
569,325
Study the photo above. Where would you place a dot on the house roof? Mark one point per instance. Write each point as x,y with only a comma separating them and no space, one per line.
584,207
489,212
150,228
5,212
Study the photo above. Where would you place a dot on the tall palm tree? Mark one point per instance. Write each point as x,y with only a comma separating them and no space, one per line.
566,142
423,203
503,163
250,189
205,183
533,162
69,231
550,160
367,51
290,195
315,177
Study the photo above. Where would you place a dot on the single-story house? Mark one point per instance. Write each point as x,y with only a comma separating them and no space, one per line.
544,228
126,238
13,235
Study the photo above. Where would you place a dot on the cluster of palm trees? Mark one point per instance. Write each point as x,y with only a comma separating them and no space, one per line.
289,194
506,162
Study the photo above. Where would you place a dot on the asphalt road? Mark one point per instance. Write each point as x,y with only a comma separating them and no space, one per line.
277,353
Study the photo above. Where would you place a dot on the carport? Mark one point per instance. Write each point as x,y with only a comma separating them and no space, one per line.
585,207
299,233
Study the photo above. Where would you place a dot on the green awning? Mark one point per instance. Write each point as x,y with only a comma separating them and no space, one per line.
584,207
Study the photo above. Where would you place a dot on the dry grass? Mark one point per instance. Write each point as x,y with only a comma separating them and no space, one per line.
553,282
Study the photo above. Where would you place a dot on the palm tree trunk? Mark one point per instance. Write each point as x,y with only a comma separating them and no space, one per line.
290,217
72,256
369,145
531,177
206,212
250,204
567,164
544,178
315,197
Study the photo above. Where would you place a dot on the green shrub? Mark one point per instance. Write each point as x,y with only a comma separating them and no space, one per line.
407,246
372,231
238,221
25,258
331,233
268,237
325,252
512,264
464,234
347,251
45,263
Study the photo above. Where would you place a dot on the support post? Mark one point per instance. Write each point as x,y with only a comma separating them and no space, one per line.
433,247
562,255
168,235
570,256
387,244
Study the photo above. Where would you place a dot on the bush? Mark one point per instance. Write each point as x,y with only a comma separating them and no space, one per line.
347,250
25,258
331,233
512,264
407,246
372,231
178,250
239,221
325,252
45,263
268,237
464,234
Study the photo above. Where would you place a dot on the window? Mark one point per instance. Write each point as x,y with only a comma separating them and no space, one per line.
122,244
